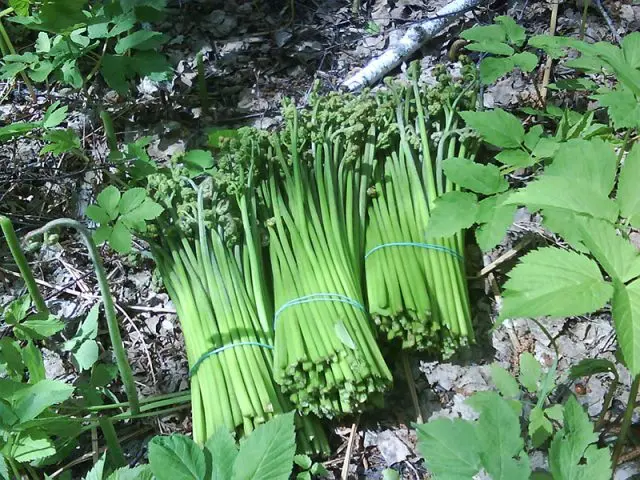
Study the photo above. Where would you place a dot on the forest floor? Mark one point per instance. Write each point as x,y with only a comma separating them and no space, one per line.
255,55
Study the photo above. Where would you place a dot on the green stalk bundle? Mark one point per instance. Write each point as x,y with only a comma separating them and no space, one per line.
326,356
225,311
416,285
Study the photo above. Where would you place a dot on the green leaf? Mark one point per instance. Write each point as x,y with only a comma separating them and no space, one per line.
102,374
540,427
32,401
596,168
303,476
454,211
504,381
97,214
617,255
40,72
492,68
525,61
628,195
516,34
71,74
563,222
622,106
563,193
153,65
86,355
480,400
4,471
515,157
494,219
108,199
496,127
97,472
532,137
495,48
223,450
121,240
198,160
546,148
574,85
319,470
446,457
102,234
32,359
21,7
530,372
131,199
268,452
303,461
141,472
87,330
554,282
390,474
498,431
574,454
215,135
480,33
176,457
631,49
54,115
61,141
149,210
17,129
485,179
32,446
11,356
17,310
592,366
626,315
116,69
140,40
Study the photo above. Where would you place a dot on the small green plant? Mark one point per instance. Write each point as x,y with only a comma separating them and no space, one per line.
75,41
308,468
512,423
268,453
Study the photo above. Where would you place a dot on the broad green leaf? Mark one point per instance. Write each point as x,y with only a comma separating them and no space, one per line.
17,129
32,358
574,454
131,199
495,48
303,476
565,194
631,49
40,71
563,222
97,214
140,40
102,374
97,472
480,33
498,431
70,74
554,46
198,160
116,69
141,472
504,381
61,141
102,234
530,372
546,148
492,68
55,115
38,327
515,157
176,457
268,452
592,366
87,330
554,282
121,240
390,474
628,195
516,34
215,135
32,401
526,61
494,219
574,85
11,356
223,450
466,173
21,7
86,355
4,470
153,65
149,210
446,457
617,255
479,401
593,162
532,137
626,315
540,427
454,211
496,127
17,310
31,446
319,470
108,199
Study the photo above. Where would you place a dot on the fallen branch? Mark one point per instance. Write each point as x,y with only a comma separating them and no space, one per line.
410,42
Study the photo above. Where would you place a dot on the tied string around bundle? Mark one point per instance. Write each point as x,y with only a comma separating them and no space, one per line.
428,246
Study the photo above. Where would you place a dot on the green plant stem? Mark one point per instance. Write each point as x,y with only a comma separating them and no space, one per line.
109,307
23,265
412,386
625,142
626,421
607,402
202,84
583,23
109,132
14,468
113,444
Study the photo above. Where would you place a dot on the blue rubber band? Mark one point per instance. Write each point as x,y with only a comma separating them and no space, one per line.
317,297
429,246
218,350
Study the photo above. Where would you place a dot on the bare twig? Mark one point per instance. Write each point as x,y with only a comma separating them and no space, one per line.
347,454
